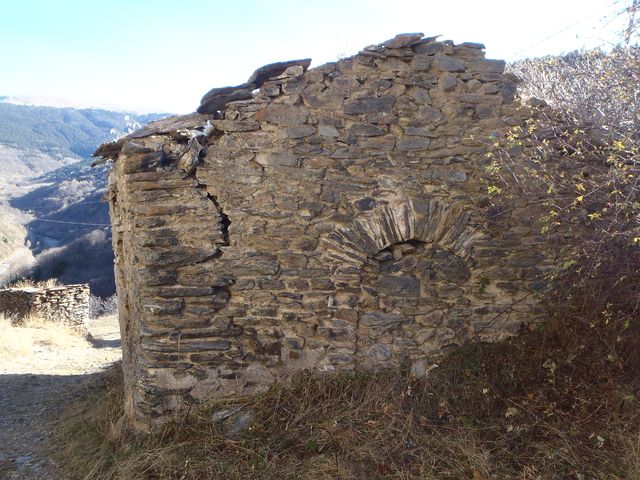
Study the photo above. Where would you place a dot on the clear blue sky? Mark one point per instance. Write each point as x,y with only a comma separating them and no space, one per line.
164,55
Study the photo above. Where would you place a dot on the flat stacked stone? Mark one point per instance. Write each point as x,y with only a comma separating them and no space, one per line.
216,99
327,219
65,305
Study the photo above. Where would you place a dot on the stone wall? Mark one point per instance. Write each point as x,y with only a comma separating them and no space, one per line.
67,305
325,219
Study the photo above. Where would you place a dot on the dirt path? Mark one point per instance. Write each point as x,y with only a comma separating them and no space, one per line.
35,384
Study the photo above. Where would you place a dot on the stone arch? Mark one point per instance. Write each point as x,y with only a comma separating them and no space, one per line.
391,325
431,221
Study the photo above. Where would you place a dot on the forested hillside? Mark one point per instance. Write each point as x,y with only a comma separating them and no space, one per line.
55,196
65,131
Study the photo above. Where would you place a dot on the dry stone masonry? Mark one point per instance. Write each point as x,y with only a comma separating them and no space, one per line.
328,219
66,305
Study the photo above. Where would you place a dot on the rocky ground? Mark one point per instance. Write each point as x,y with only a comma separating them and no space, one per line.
40,373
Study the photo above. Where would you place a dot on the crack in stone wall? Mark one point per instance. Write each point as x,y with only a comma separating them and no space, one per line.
224,219
251,238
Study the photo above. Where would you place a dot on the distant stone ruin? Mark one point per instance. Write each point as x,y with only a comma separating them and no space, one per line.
323,219
66,305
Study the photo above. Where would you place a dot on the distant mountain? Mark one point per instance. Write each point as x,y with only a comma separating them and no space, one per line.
45,176
58,102
64,131
12,233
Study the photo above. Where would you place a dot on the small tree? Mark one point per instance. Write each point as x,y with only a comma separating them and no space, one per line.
583,148
593,86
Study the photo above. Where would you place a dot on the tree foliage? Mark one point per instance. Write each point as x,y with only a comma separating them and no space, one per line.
631,12
582,147
593,85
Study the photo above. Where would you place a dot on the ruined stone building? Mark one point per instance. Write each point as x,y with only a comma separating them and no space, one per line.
64,305
328,219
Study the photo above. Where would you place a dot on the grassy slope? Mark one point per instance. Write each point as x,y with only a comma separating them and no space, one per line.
557,403
19,164
35,347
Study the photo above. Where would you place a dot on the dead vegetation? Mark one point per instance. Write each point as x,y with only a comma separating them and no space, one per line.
28,283
555,403
37,346
19,343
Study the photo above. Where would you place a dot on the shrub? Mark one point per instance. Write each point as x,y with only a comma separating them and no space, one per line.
592,85
100,307
583,150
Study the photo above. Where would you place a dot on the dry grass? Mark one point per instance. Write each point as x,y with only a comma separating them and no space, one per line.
557,403
29,283
31,336
41,347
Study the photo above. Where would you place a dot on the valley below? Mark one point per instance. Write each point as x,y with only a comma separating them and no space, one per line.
54,222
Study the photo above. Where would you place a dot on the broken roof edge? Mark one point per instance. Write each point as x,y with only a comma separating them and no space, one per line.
189,121
212,102
215,100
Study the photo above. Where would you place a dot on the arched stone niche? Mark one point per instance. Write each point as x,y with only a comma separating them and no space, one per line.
413,263
430,221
